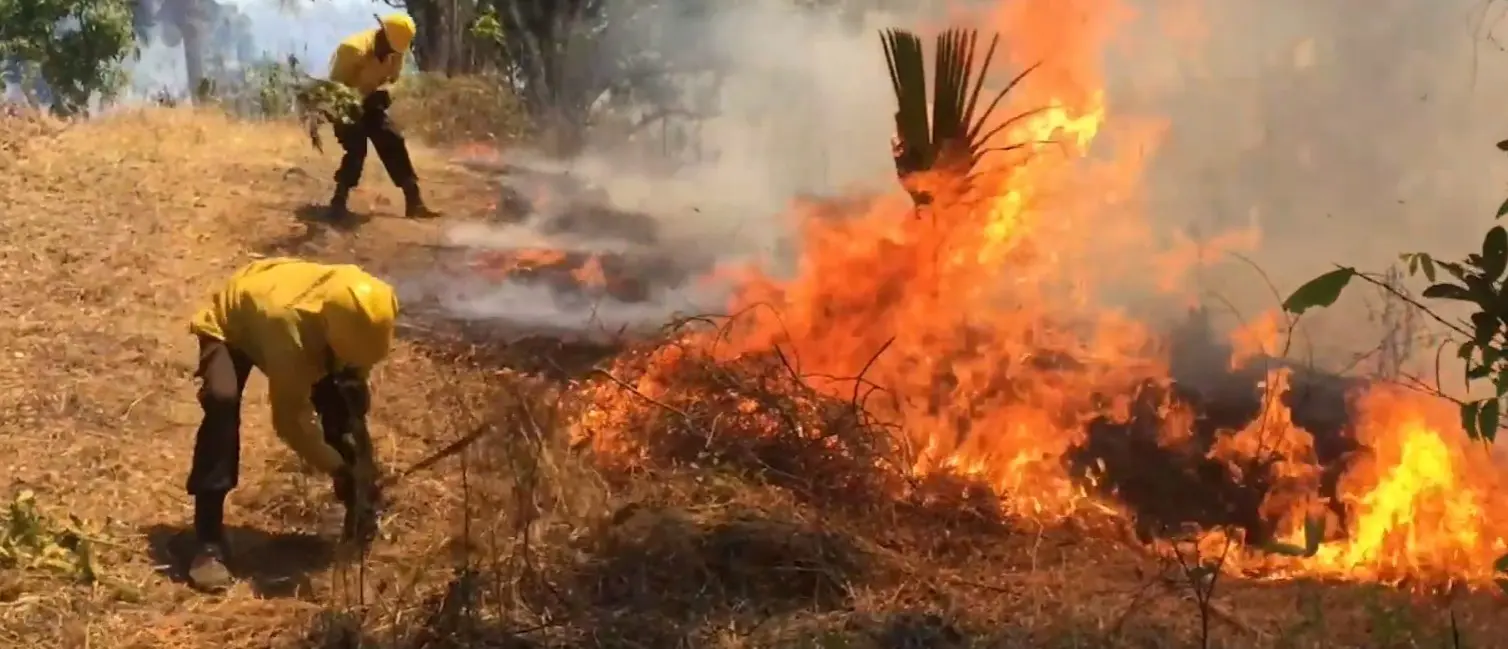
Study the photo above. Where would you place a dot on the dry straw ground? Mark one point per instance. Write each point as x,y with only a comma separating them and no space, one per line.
115,228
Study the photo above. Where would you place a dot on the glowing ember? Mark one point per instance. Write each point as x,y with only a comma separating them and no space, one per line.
570,272
499,263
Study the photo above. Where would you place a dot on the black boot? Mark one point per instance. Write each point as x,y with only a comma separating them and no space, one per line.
338,210
207,570
413,203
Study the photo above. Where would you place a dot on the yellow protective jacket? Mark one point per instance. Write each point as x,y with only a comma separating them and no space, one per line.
280,313
355,64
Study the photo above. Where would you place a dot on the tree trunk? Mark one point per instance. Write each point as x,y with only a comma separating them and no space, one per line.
428,47
189,17
445,34
193,54
444,44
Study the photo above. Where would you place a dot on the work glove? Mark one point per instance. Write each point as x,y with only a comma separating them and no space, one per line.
353,391
363,507
356,484
377,102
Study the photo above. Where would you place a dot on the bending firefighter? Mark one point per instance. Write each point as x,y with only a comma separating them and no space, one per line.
316,331
369,63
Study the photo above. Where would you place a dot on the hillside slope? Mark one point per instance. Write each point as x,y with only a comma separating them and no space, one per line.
115,229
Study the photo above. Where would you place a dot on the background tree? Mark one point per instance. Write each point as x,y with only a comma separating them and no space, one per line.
74,48
179,23
207,31
565,57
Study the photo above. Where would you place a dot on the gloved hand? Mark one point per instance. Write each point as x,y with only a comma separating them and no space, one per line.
379,101
363,507
353,391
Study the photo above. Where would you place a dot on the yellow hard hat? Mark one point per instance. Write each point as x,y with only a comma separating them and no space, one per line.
400,30
359,322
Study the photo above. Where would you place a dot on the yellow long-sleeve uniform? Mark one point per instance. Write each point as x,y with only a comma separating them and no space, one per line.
355,64
298,321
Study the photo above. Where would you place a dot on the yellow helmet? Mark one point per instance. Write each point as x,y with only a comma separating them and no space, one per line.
359,321
400,30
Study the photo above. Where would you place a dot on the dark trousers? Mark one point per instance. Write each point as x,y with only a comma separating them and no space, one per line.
373,124
222,372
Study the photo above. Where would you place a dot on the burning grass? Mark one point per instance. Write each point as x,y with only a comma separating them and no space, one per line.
729,503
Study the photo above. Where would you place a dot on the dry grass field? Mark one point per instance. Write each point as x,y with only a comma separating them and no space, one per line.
115,228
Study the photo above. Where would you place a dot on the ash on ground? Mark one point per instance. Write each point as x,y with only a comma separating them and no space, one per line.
556,257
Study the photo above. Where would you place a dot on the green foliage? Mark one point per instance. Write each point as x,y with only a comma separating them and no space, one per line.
75,46
1476,280
274,87
29,540
280,89
487,27
1321,291
286,89
320,101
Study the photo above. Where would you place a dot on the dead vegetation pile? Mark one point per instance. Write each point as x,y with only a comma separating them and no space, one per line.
665,497
753,513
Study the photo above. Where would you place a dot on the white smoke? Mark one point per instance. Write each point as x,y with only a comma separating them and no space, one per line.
804,109
309,31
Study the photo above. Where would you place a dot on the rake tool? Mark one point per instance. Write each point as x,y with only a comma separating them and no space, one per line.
434,458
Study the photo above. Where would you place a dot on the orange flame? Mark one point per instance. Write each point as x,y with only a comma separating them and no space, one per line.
979,318
1429,504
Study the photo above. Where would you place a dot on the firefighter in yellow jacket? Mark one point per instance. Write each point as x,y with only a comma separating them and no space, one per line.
315,331
369,62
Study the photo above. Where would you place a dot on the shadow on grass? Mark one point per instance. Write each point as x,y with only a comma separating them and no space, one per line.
648,577
276,565
317,224
702,563
319,214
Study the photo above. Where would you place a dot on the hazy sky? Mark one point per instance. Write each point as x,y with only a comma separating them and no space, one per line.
310,31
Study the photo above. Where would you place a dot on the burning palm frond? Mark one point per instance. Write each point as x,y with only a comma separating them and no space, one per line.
953,139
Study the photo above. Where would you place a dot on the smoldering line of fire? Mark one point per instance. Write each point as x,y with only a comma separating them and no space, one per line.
820,134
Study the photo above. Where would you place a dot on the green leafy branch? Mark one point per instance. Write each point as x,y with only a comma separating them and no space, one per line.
30,540
314,101
1476,280
321,101
488,27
